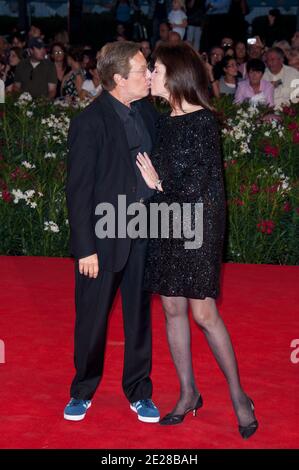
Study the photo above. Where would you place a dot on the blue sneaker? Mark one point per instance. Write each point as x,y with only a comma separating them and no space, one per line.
76,409
146,410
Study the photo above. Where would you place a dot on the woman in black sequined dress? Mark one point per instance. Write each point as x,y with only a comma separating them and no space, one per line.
185,167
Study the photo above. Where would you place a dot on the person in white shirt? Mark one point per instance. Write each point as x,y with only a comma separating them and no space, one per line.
285,79
91,86
178,18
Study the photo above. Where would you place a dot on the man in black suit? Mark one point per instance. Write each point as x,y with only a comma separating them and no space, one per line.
103,142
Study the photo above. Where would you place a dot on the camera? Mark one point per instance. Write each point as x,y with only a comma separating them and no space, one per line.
251,41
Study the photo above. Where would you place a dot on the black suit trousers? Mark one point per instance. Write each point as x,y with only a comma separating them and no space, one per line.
94,299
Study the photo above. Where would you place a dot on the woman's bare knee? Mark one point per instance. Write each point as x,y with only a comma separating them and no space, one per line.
174,306
204,312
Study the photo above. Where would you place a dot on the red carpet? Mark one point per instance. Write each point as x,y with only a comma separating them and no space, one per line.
260,305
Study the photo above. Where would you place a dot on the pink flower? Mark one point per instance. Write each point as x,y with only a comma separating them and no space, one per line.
287,207
3,185
254,189
229,163
19,173
289,111
6,196
266,226
237,202
296,137
272,189
15,174
271,150
293,126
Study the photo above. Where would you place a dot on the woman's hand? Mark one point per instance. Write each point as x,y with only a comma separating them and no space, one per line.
148,172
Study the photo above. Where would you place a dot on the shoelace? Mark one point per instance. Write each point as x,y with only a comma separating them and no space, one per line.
147,403
75,402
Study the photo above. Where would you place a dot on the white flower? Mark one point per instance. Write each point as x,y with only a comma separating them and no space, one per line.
51,226
50,155
29,193
18,195
62,103
28,165
29,114
285,185
23,99
26,196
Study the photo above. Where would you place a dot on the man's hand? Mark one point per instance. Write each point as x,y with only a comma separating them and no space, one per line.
89,266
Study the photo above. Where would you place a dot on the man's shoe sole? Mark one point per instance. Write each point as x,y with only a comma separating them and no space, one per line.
145,419
76,417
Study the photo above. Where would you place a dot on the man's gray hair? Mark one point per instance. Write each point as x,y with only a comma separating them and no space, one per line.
277,51
114,58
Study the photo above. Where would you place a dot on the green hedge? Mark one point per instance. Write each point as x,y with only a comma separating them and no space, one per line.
261,167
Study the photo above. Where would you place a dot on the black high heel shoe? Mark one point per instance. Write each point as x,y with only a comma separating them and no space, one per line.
247,431
171,419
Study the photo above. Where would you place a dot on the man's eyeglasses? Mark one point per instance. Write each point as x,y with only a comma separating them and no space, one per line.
143,72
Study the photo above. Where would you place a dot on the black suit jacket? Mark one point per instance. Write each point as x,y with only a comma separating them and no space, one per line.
99,169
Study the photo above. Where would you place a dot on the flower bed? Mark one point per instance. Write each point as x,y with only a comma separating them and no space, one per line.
261,167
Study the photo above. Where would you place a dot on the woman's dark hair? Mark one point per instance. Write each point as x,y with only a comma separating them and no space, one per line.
255,65
19,36
18,51
186,76
225,61
62,47
220,66
241,42
92,65
275,12
75,53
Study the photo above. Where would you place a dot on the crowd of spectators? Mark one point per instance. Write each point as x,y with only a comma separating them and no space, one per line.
259,69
